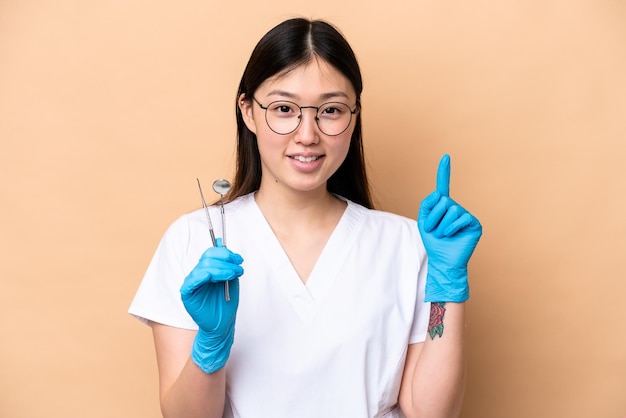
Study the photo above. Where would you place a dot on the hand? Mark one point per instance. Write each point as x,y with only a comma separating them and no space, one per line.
202,293
450,235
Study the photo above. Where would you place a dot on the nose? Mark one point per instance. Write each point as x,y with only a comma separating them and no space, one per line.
308,131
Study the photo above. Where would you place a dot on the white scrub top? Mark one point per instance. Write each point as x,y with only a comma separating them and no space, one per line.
333,347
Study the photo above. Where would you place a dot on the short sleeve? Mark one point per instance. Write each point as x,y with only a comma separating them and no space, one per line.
422,309
158,296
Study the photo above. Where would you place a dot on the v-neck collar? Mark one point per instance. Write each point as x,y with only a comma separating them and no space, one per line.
304,297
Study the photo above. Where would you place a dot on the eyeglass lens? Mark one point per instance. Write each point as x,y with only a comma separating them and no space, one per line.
284,117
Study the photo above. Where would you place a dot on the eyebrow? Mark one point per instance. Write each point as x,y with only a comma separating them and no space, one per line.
324,96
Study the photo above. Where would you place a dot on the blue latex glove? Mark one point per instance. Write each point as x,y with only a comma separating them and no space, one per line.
202,293
450,234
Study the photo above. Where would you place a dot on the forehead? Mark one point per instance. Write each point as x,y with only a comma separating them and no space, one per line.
315,78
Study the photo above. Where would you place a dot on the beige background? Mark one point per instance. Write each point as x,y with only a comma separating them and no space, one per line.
109,110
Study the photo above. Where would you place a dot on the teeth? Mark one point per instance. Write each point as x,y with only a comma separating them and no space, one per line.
305,159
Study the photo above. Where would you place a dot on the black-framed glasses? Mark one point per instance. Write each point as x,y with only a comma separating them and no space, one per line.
284,117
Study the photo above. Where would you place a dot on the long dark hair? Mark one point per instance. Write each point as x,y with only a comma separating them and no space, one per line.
288,45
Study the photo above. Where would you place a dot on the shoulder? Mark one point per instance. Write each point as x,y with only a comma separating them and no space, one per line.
385,227
381,217
196,220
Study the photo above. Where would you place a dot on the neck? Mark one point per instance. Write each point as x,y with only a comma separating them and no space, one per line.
293,207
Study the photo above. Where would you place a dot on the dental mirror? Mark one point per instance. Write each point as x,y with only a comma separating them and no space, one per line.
221,187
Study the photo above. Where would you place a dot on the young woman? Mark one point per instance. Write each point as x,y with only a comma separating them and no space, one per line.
343,311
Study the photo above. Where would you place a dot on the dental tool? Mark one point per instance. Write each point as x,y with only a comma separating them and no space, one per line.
208,217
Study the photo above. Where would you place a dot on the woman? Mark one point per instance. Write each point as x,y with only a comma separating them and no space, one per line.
331,315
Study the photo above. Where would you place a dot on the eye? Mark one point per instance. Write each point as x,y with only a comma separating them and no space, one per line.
333,110
283,109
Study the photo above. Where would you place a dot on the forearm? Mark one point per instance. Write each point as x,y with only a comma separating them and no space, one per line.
195,394
435,380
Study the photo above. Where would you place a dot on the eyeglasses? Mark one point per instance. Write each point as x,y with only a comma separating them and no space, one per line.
284,117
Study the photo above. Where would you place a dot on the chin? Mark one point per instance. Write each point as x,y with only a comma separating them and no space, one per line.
309,188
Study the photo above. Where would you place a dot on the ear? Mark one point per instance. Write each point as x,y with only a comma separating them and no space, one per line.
245,106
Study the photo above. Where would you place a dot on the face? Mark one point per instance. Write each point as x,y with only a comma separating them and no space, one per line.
304,159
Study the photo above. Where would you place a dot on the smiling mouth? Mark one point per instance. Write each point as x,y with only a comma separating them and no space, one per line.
304,159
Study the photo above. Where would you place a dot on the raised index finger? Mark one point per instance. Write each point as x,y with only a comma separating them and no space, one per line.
443,176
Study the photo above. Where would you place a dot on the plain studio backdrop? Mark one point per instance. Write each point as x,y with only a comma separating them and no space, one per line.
109,110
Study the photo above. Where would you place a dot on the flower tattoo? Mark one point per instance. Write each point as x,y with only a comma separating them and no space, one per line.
435,325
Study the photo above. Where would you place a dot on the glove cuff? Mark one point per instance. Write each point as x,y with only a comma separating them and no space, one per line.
446,285
211,353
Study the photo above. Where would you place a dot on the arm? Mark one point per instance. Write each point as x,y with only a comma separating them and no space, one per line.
191,364
434,373
434,376
184,389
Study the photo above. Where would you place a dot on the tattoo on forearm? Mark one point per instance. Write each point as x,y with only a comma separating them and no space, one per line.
435,325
